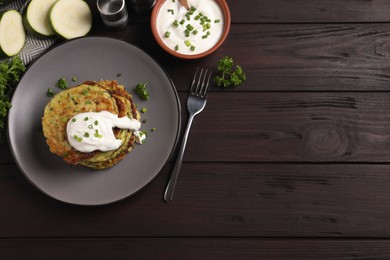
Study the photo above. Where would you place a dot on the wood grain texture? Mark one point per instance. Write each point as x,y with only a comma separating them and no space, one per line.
216,200
289,57
195,248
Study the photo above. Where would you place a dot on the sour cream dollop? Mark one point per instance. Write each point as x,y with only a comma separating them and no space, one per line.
190,32
93,131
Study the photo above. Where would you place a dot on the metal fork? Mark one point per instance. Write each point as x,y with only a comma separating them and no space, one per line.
195,103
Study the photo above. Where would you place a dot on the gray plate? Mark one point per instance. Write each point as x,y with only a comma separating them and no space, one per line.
93,58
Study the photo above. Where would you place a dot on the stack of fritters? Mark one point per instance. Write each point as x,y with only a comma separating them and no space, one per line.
90,96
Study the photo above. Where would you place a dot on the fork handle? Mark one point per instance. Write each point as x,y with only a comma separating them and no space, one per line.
169,191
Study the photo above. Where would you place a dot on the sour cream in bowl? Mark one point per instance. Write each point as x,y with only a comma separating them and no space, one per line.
194,33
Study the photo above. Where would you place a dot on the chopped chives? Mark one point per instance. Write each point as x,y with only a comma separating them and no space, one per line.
197,17
176,23
182,21
192,48
187,33
217,21
86,134
190,27
177,47
195,32
187,43
167,34
170,11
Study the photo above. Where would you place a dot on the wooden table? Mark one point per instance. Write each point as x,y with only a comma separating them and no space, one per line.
293,164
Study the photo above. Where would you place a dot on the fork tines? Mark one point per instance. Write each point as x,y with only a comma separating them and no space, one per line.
200,83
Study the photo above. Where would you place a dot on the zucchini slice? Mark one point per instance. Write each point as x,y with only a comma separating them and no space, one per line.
36,17
12,34
70,18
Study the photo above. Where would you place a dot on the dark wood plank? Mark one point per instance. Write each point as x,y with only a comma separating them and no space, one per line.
216,199
194,248
304,127
298,127
315,11
298,11
297,57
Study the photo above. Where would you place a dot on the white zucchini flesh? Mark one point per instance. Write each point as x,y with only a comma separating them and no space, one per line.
12,34
37,16
71,18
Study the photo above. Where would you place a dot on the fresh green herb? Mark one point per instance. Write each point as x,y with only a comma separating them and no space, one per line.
97,134
177,47
171,11
187,43
78,139
195,32
84,92
192,48
74,78
228,75
10,72
153,129
167,33
86,134
90,126
73,120
176,23
190,27
62,83
96,122
182,21
141,90
217,21
144,109
50,92
119,75
86,118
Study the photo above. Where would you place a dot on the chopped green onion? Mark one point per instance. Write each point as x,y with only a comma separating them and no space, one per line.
86,118
192,48
90,126
176,23
167,34
96,122
73,119
144,109
62,83
217,21
153,129
50,92
182,21
177,47
190,27
187,33
74,78
187,43
195,32
86,134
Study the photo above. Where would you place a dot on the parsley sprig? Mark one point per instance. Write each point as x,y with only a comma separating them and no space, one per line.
10,72
228,74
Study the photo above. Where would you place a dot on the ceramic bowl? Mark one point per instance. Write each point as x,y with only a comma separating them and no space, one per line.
226,28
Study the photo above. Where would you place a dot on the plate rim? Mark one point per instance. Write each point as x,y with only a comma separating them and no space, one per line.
177,135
